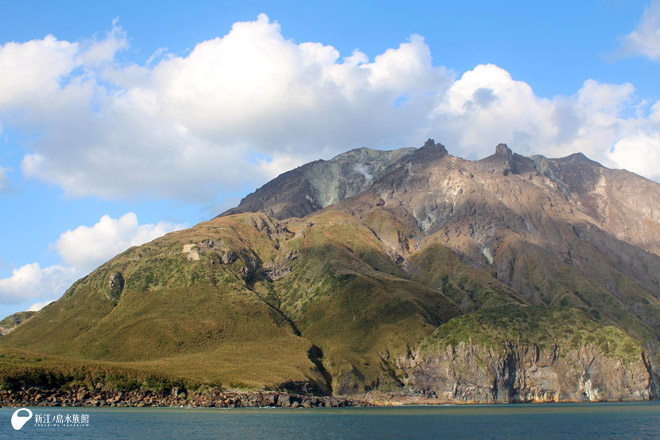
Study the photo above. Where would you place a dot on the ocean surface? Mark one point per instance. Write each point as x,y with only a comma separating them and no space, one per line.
639,420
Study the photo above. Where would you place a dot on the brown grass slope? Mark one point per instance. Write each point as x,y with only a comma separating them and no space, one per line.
245,301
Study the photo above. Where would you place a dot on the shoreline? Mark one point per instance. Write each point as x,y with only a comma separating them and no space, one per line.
82,397
35,397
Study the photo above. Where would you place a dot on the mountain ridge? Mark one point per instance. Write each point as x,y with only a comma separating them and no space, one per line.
372,273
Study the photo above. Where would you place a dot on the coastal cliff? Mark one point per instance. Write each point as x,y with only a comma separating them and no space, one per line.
469,373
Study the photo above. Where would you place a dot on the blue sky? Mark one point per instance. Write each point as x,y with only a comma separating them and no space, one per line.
120,121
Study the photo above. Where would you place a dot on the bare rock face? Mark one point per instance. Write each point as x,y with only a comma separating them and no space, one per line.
321,183
503,150
115,286
219,249
471,373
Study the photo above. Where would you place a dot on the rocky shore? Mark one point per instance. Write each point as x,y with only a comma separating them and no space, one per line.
174,398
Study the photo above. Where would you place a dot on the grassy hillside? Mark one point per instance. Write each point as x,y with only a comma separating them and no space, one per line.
246,301
252,302
543,327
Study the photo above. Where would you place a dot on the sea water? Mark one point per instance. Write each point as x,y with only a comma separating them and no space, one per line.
635,420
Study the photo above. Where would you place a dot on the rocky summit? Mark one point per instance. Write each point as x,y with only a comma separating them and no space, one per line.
406,276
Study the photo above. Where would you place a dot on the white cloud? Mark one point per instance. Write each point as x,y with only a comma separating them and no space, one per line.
240,109
85,247
645,39
273,167
82,249
183,127
31,70
486,106
96,53
639,153
31,282
38,306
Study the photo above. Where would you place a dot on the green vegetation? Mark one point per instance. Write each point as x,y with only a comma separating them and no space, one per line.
547,280
248,302
471,289
201,318
544,327
21,369
15,319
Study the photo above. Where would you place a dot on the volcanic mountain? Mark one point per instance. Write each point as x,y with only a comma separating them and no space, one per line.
393,275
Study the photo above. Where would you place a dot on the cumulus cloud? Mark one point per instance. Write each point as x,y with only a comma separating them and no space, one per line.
240,109
639,153
645,39
82,249
85,247
486,105
242,106
31,282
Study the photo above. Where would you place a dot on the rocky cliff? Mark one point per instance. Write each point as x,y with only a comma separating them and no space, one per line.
469,373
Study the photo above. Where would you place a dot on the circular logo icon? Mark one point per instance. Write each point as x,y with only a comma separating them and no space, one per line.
20,418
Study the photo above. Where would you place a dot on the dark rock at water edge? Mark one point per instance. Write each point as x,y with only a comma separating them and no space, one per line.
146,398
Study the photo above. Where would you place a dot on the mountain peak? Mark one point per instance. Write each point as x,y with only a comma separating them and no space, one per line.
429,151
318,184
503,149
431,145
